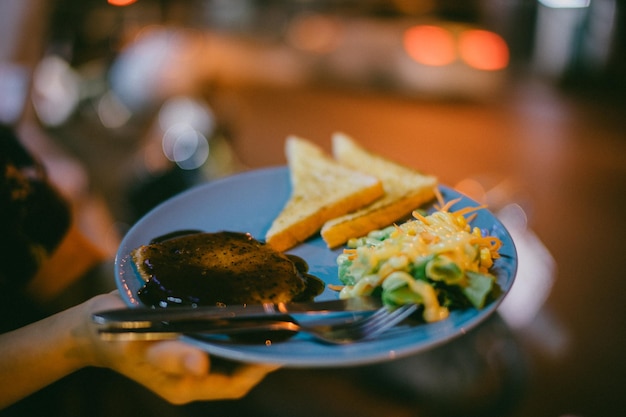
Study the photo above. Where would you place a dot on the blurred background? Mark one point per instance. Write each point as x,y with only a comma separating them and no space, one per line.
517,103
156,88
156,84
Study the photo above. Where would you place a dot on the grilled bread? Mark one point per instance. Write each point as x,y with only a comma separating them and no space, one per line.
405,190
322,189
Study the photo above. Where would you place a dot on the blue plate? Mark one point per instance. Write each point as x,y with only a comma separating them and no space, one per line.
248,202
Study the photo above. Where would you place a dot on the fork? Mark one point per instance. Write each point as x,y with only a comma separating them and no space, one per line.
329,331
366,328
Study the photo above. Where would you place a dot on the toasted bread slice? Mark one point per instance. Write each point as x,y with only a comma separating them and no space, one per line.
322,189
405,190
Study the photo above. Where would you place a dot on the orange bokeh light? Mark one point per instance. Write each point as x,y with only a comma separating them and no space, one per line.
430,45
121,2
483,50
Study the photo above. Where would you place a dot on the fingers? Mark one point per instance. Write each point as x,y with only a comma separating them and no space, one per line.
178,358
175,370
215,386
181,375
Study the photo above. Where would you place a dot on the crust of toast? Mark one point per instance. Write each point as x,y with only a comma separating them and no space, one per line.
405,190
322,189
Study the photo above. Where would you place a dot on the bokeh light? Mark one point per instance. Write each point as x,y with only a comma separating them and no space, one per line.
56,90
185,146
483,50
430,45
186,123
121,2
112,112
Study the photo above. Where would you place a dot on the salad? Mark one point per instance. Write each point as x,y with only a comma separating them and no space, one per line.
438,261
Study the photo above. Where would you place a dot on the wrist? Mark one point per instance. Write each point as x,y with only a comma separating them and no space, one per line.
89,344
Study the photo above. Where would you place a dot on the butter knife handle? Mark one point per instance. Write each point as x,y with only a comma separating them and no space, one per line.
171,330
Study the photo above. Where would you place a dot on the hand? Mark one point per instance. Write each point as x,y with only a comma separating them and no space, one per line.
176,371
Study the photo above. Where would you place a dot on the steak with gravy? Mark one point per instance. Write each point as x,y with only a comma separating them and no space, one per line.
220,268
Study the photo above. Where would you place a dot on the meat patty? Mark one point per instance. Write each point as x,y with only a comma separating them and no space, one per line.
220,269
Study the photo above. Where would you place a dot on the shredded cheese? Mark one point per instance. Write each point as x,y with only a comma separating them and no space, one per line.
390,262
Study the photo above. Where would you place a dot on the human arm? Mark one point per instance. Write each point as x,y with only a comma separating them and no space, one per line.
38,354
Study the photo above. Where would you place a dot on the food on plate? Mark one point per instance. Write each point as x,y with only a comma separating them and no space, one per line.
219,269
438,261
322,189
405,190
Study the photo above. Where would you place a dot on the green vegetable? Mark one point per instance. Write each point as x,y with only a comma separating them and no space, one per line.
345,275
400,296
418,269
478,288
442,268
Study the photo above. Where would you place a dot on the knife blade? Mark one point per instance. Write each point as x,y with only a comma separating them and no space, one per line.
136,317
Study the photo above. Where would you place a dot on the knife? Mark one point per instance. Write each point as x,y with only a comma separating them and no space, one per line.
138,317
278,326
